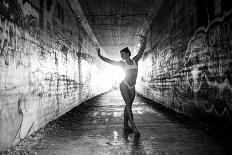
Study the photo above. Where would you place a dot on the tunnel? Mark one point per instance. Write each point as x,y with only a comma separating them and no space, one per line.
57,92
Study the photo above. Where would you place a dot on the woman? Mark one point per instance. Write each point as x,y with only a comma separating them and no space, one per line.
127,86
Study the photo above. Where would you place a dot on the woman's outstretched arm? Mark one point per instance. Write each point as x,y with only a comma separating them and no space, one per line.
112,62
141,50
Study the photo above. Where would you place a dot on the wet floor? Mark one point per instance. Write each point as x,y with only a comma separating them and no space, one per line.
96,127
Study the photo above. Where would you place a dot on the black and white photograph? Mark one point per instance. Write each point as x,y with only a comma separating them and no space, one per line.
115,77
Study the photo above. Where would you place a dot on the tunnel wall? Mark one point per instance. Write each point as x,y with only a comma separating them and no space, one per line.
187,65
47,66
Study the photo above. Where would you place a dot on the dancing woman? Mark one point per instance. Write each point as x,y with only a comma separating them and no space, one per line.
127,86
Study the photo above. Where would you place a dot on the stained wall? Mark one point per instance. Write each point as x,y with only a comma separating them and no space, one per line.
47,66
187,65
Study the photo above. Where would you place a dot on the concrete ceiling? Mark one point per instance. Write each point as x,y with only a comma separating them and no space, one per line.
116,24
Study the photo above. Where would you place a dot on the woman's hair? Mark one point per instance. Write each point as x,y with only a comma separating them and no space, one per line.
126,50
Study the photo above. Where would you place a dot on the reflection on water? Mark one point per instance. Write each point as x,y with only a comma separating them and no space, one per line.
95,114
142,110
133,142
98,126
118,114
136,110
114,114
115,135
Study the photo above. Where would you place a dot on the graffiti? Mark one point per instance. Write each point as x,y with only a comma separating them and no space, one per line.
52,83
195,57
14,43
10,40
28,110
30,23
196,72
10,9
15,48
209,59
86,57
40,73
13,38
11,120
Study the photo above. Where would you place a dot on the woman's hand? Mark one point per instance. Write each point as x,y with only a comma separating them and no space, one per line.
142,39
98,51
142,36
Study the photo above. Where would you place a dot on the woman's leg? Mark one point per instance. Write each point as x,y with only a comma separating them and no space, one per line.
128,96
126,125
132,97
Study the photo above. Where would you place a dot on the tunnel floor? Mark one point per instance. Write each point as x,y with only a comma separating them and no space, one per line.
96,127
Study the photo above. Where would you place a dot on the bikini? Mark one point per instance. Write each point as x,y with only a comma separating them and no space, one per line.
127,67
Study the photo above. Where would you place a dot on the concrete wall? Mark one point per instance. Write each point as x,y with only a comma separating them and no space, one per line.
188,61
47,66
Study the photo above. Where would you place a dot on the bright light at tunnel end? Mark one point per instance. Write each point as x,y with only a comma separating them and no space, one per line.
116,74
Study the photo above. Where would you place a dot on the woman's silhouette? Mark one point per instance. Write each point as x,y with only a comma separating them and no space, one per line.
127,86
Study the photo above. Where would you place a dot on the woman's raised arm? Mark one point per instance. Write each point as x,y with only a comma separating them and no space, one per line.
112,62
141,50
